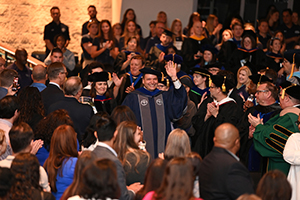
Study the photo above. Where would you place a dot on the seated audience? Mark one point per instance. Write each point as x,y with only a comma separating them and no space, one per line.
177,37
279,34
60,165
243,81
274,57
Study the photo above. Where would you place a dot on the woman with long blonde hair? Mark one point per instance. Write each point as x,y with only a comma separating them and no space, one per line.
178,37
134,160
243,81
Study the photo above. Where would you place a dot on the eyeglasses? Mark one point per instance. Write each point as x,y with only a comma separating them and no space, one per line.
258,91
297,123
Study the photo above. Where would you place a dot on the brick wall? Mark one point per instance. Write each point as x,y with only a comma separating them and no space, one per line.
22,21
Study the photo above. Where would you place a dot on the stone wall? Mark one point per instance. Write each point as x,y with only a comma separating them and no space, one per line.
22,21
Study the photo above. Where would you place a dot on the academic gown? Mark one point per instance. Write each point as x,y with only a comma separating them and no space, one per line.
153,56
104,104
248,155
154,112
226,51
270,59
127,81
121,58
202,141
190,47
196,94
269,139
255,57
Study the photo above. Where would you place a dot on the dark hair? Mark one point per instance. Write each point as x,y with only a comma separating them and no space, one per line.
274,185
153,22
178,181
253,41
133,37
236,24
99,181
54,69
122,113
7,77
124,20
91,6
56,38
31,104
153,177
94,65
89,136
271,74
20,137
56,49
26,170
85,159
54,8
110,33
46,126
6,181
196,161
105,128
261,21
8,106
229,76
63,146
288,10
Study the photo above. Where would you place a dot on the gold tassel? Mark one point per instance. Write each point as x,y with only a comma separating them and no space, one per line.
283,90
173,60
293,65
258,84
168,83
162,76
223,85
109,76
209,81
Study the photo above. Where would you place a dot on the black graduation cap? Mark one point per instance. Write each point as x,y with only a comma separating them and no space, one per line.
168,33
173,57
259,78
291,89
293,55
215,64
147,70
164,80
210,48
186,80
99,76
201,71
249,33
222,82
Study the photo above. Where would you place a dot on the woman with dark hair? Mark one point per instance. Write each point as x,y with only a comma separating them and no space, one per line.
62,159
153,177
130,31
104,48
124,57
117,29
102,100
31,109
45,128
85,159
273,20
135,161
195,16
274,185
98,181
122,113
248,54
26,170
69,58
279,34
130,15
177,184
274,57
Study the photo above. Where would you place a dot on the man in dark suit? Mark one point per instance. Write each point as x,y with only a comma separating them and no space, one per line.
79,113
106,134
223,176
57,73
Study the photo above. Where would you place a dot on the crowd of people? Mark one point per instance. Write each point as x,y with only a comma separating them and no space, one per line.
197,112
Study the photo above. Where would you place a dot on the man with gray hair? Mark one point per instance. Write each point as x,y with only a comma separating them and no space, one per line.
79,113
39,77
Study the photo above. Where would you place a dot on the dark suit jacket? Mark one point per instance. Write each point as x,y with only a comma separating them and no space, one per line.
223,177
79,113
50,95
103,152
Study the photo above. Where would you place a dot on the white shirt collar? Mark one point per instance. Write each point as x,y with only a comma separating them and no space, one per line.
4,121
101,144
55,84
233,155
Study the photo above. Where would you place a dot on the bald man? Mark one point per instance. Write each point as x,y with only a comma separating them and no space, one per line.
223,176
39,77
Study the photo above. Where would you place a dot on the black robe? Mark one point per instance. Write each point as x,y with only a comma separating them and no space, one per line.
190,47
202,141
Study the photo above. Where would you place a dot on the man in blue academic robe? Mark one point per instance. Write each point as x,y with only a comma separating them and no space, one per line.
155,109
